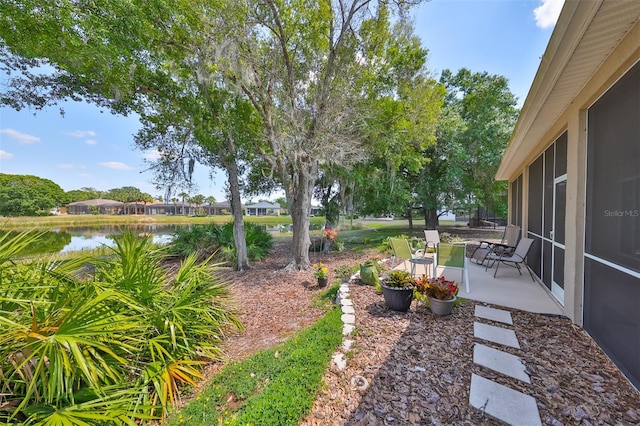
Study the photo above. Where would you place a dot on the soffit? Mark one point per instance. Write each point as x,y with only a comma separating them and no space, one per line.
585,35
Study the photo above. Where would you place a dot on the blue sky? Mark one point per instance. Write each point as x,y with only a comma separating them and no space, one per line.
93,148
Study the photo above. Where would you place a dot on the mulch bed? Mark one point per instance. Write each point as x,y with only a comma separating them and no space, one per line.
418,366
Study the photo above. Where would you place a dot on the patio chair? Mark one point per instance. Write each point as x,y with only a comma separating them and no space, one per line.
453,255
515,259
402,250
506,245
431,241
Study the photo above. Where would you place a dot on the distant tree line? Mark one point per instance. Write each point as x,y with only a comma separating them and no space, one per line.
27,195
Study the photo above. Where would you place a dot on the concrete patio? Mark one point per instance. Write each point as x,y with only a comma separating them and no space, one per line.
508,289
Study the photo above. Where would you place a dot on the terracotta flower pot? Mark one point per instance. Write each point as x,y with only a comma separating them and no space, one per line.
441,307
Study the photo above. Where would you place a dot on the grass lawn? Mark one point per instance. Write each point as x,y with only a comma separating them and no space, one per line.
275,386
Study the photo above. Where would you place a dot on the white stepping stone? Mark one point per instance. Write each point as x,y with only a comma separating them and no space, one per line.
347,344
347,329
495,334
348,318
494,314
347,302
503,403
339,361
348,309
500,361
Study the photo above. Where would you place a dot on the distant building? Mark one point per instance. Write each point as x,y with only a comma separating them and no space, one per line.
96,206
263,208
103,206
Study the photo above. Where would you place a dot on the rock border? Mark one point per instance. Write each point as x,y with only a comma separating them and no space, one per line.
348,317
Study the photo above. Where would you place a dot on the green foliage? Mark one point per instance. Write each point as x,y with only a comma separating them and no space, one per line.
482,114
200,103
273,387
201,239
25,195
128,194
206,240
46,242
446,237
90,341
405,105
83,194
338,245
399,278
344,271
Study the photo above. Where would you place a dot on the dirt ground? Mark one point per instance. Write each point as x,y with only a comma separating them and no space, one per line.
418,366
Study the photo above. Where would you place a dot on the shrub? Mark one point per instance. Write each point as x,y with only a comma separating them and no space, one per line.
210,239
110,340
338,245
344,271
200,239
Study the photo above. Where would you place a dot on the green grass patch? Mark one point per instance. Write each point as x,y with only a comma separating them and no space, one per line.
327,296
275,386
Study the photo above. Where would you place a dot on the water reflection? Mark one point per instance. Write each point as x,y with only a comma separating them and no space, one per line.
284,228
76,238
88,238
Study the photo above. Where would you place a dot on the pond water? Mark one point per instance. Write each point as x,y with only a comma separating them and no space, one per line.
76,238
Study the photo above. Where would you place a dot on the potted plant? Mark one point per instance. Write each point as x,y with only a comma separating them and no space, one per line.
321,272
397,289
440,292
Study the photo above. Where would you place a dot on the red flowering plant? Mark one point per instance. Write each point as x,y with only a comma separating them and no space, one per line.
436,288
330,234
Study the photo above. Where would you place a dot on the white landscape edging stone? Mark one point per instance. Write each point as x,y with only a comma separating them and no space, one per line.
348,325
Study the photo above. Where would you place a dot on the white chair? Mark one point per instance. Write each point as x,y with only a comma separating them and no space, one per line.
431,241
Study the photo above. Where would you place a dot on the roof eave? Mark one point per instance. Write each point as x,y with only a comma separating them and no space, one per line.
569,30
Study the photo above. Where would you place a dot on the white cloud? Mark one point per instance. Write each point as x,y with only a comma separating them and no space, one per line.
4,155
91,142
87,175
81,133
65,166
151,155
22,138
547,13
116,165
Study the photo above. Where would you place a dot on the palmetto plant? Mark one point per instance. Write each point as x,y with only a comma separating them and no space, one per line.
95,341
218,240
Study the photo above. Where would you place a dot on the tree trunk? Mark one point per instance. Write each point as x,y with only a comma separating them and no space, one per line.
300,207
410,216
430,218
238,219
